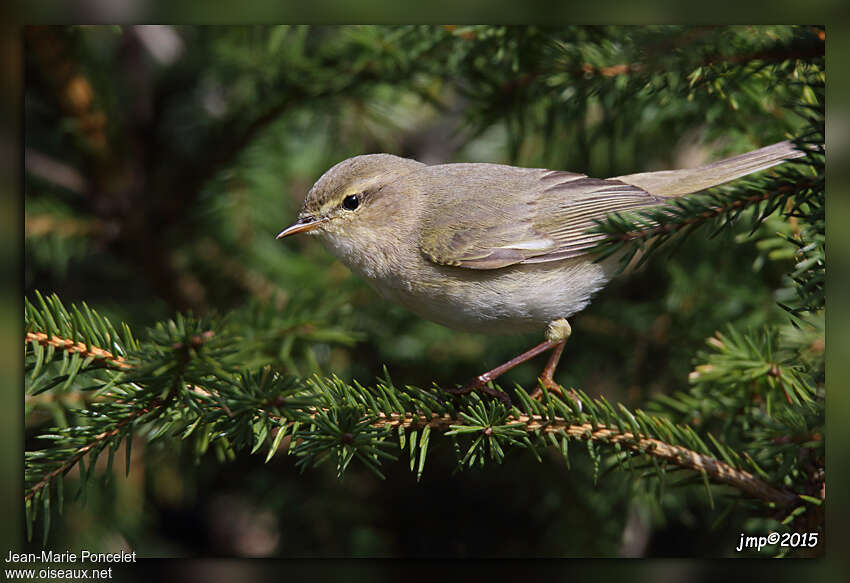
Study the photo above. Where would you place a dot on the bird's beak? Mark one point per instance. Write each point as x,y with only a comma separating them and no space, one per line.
302,225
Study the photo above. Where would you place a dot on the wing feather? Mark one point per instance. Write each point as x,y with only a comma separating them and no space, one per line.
549,225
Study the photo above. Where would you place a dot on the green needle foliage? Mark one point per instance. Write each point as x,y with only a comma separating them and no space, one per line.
188,344
185,383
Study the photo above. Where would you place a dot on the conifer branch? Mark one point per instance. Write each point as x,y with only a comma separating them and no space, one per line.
710,213
80,348
783,191
388,412
532,424
99,440
715,469
649,229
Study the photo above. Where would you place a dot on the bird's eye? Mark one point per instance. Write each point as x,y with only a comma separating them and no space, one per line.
351,202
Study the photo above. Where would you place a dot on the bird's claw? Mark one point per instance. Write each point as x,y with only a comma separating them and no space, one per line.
477,385
554,387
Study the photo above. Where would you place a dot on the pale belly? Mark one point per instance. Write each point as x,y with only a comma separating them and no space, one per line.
511,300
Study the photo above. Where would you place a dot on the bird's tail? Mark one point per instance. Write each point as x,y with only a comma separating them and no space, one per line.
688,180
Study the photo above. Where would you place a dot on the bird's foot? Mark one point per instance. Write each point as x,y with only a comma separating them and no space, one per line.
554,387
481,385
550,385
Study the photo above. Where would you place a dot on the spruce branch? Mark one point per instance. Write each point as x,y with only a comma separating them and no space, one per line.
98,441
648,230
770,379
337,431
185,381
755,364
718,471
84,350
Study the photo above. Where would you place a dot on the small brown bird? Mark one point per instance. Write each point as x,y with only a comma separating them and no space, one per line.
487,247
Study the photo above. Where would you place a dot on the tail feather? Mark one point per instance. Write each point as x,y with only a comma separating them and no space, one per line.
688,180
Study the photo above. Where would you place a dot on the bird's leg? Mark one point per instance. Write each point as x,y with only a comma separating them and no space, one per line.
556,337
547,376
557,333
479,383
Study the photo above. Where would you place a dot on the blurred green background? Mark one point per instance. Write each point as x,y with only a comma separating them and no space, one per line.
161,161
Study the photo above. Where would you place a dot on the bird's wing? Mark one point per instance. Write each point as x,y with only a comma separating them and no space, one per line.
552,223
548,226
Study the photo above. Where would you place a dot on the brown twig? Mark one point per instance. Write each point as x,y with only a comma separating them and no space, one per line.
69,345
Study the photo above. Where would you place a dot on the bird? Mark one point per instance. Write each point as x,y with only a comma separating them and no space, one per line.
492,248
